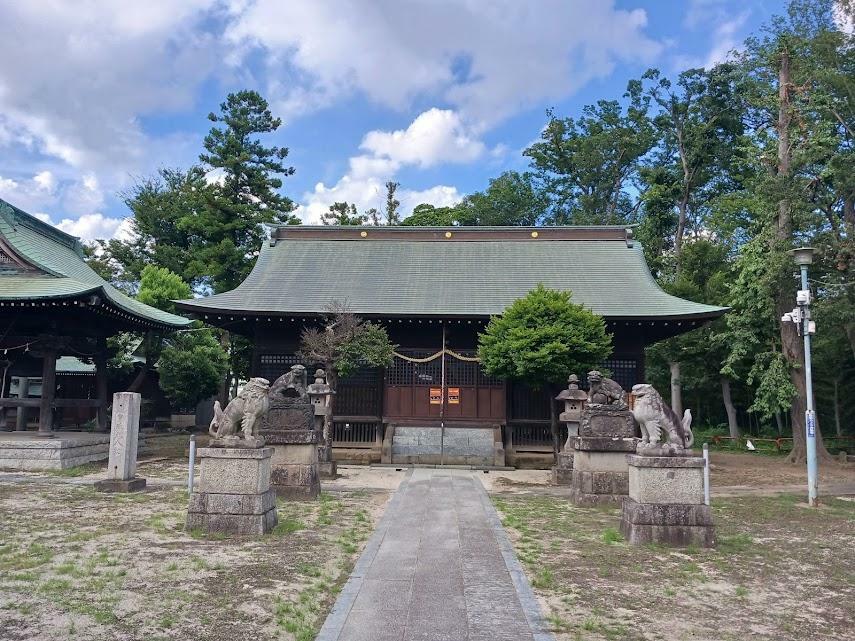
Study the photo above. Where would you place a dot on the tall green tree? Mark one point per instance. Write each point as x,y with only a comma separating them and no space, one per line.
343,214
586,165
245,197
158,288
510,199
393,216
791,77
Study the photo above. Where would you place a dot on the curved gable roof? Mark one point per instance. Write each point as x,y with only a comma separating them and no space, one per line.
60,269
476,271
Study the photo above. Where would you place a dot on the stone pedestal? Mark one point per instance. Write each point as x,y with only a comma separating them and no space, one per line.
327,469
600,473
294,464
124,440
666,502
562,472
234,495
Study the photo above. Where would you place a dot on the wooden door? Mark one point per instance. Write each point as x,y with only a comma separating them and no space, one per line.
414,388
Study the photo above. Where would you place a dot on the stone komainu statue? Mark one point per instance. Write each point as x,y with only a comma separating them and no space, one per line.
243,412
292,384
604,391
655,417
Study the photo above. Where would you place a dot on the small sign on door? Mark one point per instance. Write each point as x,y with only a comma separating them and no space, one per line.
435,396
453,395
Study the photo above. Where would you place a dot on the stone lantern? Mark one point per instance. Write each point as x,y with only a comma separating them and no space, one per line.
319,394
574,400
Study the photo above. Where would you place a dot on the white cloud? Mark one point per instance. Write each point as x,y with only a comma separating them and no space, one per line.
74,79
435,136
726,40
488,58
90,226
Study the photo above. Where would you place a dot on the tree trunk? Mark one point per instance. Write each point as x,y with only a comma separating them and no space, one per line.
676,388
732,425
791,342
779,420
837,423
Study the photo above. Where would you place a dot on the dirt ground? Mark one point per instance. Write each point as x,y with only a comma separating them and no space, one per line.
77,564
729,472
781,571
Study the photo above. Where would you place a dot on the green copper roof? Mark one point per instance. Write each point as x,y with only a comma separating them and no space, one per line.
60,270
422,272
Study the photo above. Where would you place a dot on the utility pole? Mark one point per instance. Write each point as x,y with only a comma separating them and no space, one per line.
803,257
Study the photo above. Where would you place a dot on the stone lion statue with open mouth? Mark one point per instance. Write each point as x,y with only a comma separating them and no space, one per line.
662,431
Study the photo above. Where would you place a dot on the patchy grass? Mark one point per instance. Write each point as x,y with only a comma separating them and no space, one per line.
773,556
75,563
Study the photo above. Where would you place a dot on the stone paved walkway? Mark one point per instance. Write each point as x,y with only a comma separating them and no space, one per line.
439,567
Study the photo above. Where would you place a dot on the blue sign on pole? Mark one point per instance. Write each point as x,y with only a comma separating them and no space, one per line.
811,422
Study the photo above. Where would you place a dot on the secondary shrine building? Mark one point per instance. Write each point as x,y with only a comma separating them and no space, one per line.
434,289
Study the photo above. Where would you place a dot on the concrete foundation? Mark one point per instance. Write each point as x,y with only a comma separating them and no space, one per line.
600,470
666,502
234,494
476,446
294,464
562,473
118,485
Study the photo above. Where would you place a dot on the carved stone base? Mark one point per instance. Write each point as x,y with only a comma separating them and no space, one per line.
136,484
328,469
588,489
562,473
238,442
674,524
232,513
234,494
666,502
600,471
294,465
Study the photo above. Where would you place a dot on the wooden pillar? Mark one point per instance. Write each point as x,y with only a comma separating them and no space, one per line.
48,391
23,392
101,419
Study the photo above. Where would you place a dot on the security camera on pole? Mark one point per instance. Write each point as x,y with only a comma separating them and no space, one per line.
806,328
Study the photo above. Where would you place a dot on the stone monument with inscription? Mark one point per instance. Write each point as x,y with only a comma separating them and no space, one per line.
290,428
234,495
666,480
607,433
574,400
124,440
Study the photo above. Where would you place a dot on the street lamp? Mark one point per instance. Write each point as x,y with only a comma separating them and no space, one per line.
803,257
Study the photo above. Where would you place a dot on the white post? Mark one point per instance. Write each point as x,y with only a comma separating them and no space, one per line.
706,473
192,465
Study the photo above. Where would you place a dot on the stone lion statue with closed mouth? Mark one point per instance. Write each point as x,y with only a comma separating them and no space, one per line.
661,428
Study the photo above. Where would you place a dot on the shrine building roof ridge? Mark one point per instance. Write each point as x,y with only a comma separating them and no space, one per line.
427,272
450,233
40,263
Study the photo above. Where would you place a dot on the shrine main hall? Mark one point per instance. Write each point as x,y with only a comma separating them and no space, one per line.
434,289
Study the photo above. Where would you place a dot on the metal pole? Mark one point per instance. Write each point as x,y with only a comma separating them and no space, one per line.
706,473
192,466
810,416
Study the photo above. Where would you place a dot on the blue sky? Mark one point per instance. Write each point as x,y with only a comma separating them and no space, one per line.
439,95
